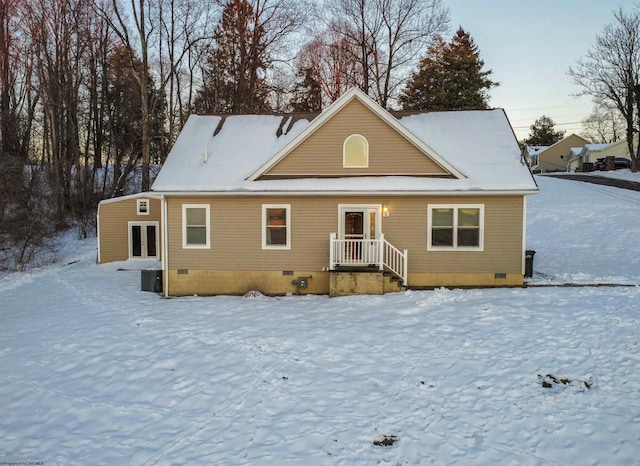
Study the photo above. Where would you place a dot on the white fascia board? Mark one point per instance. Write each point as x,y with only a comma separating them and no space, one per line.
525,192
146,195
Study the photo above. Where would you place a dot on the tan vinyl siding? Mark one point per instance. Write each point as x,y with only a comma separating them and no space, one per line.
406,228
555,157
236,234
389,152
114,220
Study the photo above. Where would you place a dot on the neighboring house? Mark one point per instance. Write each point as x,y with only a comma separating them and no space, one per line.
339,203
554,158
574,161
530,153
590,153
615,149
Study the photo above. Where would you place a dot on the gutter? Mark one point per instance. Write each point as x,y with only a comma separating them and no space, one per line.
524,192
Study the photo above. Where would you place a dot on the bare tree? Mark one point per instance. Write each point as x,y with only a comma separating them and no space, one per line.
26,220
135,35
57,30
604,124
330,60
610,72
185,28
251,36
389,35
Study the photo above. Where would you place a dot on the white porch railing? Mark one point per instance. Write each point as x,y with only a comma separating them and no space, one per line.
366,253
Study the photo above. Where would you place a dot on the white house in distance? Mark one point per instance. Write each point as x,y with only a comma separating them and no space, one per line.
590,153
352,200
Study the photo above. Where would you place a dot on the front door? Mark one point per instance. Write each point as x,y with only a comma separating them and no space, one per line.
358,225
143,240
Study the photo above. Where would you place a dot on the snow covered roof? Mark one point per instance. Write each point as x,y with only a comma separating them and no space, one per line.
533,150
596,147
216,154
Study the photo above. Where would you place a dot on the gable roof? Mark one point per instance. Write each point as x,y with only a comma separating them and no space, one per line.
533,150
591,148
571,139
220,155
337,106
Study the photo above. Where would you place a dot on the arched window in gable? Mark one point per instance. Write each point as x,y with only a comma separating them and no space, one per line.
355,152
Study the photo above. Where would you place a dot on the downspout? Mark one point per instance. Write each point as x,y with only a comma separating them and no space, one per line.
524,234
165,247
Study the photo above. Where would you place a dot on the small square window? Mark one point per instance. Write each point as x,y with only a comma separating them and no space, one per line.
143,206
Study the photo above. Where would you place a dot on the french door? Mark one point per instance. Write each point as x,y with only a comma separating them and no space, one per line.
143,240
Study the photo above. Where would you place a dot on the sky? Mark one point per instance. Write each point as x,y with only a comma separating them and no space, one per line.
530,46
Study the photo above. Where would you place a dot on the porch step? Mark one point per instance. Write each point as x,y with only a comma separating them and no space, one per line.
349,282
393,283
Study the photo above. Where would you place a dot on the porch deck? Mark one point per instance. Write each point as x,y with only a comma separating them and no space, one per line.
367,255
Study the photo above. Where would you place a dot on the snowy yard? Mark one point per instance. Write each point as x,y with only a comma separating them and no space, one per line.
94,371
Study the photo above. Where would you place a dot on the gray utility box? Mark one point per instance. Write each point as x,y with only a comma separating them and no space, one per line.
151,280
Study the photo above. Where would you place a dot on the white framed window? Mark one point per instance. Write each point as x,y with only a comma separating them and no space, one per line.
458,227
196,226
355,152
276,226
143,206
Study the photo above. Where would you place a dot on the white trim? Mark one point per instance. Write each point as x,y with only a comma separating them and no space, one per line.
143,237
344,152
455,208
147,205
335,107
98,232
207,226
148,194
165,246
287,225
352,193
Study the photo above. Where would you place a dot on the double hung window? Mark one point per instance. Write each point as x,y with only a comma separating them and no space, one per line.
196,226
276,226
455,227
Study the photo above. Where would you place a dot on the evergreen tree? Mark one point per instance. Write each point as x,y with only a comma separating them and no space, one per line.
234,78
124,116
307,92
450,77
543,133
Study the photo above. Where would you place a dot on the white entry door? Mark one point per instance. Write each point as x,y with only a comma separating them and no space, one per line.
359,225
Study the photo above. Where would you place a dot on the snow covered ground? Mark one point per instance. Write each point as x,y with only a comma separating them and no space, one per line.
94,371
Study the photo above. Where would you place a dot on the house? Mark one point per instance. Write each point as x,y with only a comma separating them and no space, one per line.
353,200
574,159
555,157
586,158
618,150
530,154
